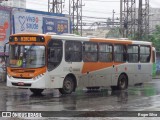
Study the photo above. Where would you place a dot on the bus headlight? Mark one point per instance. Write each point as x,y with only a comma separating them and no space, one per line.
31,75
9,76
38,77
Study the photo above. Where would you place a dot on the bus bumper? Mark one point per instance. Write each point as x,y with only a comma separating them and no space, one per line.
38,82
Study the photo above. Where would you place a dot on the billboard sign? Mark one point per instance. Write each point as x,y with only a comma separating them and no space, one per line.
27,22
4,28
56,25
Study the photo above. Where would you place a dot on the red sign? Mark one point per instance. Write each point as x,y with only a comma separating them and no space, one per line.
3,30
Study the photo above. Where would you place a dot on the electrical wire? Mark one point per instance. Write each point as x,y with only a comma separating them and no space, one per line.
36,2
100,1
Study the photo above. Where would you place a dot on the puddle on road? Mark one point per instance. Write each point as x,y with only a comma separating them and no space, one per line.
143,91
101,99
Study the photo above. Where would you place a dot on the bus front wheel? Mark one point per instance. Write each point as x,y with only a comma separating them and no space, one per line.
122,82
36,91
68,86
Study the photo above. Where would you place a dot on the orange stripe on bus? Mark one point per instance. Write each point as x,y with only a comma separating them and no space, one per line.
111,41
26,73
93,66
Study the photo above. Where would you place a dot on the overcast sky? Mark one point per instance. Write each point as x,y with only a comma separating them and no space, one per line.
93,8
90,5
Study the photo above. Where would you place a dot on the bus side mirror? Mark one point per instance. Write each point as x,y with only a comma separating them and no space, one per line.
5,48
6,54
48,53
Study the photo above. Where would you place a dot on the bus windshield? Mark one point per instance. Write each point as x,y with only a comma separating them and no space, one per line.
23,56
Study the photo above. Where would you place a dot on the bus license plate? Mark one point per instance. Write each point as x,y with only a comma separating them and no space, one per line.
20,83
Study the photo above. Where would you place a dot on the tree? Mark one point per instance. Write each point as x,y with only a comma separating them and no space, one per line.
155,38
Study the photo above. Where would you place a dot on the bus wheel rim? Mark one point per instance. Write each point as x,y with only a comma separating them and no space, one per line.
68,85
122,83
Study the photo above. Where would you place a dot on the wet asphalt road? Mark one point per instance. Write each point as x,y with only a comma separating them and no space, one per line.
135,98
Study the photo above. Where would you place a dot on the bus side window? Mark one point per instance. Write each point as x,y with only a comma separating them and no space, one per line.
54,54
145,52
148,58
132,53
73,51
124,53
105,52
120,53
90,52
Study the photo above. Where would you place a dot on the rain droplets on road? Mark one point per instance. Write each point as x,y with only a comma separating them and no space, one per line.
136,98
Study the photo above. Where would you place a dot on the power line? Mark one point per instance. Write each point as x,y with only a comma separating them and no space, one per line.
100,1
98,12
39,3
94,17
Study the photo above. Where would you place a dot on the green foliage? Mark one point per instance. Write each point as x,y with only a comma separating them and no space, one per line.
76,32
114,33
136,37
155,38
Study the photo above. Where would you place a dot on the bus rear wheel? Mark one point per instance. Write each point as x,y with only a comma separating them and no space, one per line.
122,82
68,86
93,88
36,91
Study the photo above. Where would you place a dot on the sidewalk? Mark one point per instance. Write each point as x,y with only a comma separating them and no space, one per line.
156,77
3,85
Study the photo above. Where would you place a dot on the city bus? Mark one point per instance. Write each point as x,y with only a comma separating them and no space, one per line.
67,62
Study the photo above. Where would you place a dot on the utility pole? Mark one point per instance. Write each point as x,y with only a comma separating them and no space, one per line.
143,19
127,18
113,18
75,11
140,31
55,6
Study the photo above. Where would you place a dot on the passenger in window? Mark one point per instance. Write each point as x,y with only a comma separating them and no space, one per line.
148,58
77,56
102,57
59,55
20,60
135,59
109,56
124,54
87,57
68,56
117,56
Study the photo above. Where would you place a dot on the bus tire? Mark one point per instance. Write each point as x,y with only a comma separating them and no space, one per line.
138,84
93,88
122,82
36,91
114,88
68,86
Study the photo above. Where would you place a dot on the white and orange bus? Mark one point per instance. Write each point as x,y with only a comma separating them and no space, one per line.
65,62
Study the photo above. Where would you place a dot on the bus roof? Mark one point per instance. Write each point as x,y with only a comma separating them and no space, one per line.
121,41
70,37
80,38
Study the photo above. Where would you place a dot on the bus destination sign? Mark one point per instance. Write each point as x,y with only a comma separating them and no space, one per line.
26,39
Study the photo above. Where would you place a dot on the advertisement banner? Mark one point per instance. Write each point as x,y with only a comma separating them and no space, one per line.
56,25
4,28
39,22
27,22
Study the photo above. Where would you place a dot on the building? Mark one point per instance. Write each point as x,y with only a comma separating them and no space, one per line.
98,32
14,3
154,18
